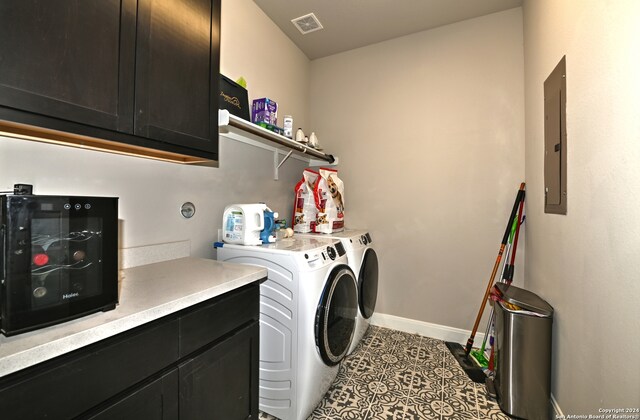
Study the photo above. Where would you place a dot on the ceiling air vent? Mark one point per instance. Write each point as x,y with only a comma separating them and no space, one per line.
307,23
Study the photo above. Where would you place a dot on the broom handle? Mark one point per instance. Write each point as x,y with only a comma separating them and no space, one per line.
509,249
508,278
495,269
507,275
486,333
503,274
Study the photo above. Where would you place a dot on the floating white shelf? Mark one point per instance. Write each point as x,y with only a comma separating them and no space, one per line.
237,129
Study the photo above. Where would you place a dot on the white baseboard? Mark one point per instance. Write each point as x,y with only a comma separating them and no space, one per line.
440,332
556,407
427,329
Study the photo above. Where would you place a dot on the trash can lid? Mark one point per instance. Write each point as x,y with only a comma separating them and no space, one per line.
527,300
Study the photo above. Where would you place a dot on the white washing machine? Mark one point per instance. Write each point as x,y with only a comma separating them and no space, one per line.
308,307
363,260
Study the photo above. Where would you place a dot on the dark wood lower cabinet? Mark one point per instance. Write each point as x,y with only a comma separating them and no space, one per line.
221,383
152,372
157,400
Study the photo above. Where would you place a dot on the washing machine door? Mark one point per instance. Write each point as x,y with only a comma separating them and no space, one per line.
336,315
368,283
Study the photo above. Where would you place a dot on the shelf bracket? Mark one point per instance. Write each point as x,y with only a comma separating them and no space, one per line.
285,159
276,164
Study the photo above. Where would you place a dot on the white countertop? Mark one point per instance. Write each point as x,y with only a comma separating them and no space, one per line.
146,293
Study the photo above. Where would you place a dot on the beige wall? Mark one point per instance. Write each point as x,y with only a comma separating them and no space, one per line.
255,48
586,263
151,192
429,129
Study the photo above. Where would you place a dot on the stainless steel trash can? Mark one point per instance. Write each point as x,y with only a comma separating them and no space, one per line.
523,353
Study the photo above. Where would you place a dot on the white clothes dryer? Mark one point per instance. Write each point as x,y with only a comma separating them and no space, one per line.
308,307
363,260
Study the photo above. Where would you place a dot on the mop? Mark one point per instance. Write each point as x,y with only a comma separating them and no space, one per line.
462,354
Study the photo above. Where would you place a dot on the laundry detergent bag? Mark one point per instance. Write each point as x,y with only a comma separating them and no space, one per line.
329,197
304,208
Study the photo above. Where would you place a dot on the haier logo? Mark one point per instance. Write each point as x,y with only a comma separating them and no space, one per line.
70,295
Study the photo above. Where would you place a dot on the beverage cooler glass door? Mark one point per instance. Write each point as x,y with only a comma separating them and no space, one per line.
66,258
61,259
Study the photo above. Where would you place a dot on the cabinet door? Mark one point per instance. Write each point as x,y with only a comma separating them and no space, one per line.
70,385
157,400
69,59
222,382
177,67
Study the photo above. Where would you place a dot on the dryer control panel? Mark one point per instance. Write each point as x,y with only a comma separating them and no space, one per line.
323,256
361,240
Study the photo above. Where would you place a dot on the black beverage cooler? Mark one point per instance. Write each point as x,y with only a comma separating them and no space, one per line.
59,259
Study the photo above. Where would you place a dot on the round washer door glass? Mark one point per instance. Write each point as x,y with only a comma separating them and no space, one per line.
336,315
368,283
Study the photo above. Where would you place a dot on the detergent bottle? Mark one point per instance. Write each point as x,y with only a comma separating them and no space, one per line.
242,223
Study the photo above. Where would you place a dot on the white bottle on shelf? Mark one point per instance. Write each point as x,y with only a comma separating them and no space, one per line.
288,126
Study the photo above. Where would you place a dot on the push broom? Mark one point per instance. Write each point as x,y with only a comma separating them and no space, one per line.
462,354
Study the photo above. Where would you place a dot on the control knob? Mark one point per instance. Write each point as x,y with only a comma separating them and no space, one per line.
331,252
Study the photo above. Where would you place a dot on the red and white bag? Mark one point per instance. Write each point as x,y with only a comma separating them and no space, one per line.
304,208
329,196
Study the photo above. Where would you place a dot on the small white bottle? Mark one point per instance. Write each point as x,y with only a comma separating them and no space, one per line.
313,140
288,126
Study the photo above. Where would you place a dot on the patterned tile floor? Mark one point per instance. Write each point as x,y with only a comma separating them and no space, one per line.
396,375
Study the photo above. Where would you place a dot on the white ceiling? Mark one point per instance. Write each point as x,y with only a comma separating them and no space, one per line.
350,24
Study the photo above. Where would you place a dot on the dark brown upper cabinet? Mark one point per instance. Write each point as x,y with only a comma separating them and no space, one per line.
141,73
68,60
177,71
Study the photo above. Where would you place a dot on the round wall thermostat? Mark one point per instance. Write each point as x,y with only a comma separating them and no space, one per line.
187,210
